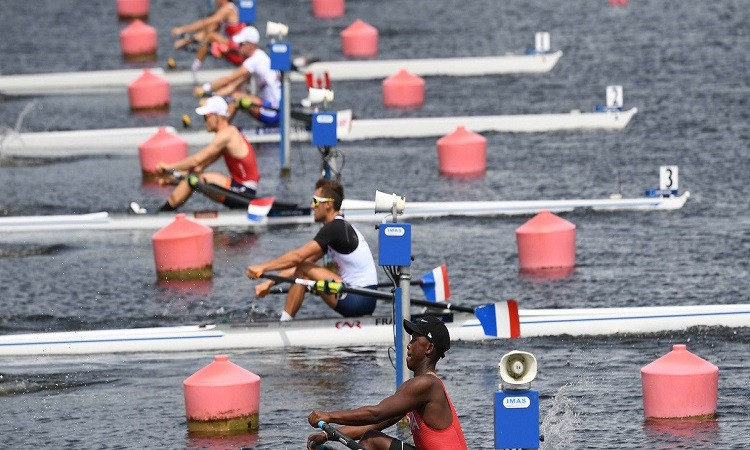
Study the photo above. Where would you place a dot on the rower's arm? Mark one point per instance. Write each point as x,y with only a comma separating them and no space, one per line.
206,156
310,251
214,19
232,79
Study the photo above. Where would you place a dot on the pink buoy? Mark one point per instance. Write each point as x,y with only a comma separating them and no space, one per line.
184,250
328,9
138,42
546,241
148,92
462,153
222,398
403,90
680,385
132,9
161,147
359,40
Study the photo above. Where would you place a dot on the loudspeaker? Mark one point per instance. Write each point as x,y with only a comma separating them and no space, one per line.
517,368
385,202
276,29
315,95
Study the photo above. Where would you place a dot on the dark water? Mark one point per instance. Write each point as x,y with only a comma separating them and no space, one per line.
683,64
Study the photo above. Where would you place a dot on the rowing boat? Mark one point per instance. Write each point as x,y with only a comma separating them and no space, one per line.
114,141
118,80
355,211
367,331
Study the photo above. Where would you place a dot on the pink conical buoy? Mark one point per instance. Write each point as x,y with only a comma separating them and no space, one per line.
546,241
161,147
138,42
403,90
148,92
328,9
184,250
462,153
680,385
359,40
132,9
222,398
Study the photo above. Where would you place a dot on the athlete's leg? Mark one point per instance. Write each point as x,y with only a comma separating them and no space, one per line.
311,271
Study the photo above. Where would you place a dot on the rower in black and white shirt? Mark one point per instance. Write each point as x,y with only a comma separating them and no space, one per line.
344,245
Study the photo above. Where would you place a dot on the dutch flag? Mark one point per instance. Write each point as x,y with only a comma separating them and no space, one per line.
435,284
258,208
500,319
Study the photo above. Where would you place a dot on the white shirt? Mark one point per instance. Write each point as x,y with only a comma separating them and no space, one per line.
267,81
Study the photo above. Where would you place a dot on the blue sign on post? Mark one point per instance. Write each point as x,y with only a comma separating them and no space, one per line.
394,240
324,129
281,56
247,11
517,419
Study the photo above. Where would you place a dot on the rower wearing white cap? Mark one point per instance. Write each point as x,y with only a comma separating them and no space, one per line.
256,67
228,142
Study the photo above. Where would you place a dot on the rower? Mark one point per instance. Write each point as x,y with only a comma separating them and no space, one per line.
423,400
256,67
347,249
228,143
206,32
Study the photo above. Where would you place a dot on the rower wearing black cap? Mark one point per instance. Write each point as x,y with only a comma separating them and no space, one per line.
423,400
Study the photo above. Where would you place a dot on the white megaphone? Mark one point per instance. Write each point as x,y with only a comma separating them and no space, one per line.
276,29
517,370
391,203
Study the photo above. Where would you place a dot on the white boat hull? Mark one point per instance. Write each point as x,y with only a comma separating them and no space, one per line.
367,331
118,80
126,140
355,210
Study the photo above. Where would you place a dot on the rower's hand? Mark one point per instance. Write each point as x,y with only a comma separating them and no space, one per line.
175,31
314,440
316,416
263,289
254,272
161,168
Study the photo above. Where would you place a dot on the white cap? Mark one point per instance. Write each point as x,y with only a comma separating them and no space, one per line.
214,105
248,34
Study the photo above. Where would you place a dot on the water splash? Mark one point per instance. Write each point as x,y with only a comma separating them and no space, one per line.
561,421
7,132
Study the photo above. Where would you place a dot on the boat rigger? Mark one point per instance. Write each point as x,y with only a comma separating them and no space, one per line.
367,331
118,80
355,210
116,141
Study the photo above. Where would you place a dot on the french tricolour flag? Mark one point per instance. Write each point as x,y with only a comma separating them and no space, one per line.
500,319
258,208
435,284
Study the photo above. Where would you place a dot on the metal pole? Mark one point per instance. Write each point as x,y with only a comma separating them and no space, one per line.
285,143
404,278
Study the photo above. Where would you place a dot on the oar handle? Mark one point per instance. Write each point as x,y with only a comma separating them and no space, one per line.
329,286
334,434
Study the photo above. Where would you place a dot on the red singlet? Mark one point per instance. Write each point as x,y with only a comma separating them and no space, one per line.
430,438
245,170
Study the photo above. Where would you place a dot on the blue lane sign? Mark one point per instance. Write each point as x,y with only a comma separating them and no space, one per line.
281,56
247,11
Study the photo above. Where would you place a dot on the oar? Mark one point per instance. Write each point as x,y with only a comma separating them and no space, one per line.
434,285
334,434
208,188
498,319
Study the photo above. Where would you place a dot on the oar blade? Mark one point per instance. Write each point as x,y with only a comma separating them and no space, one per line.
500,319
435,284
258,208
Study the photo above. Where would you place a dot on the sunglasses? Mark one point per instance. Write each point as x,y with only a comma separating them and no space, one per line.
318,200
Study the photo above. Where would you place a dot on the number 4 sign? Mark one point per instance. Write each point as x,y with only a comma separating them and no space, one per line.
668,178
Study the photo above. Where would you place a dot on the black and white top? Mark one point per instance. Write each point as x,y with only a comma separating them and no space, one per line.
349,251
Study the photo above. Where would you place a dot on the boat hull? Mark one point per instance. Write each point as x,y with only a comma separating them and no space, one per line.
118,80
355,211
367,331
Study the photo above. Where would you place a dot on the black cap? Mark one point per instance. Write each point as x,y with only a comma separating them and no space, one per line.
434,330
